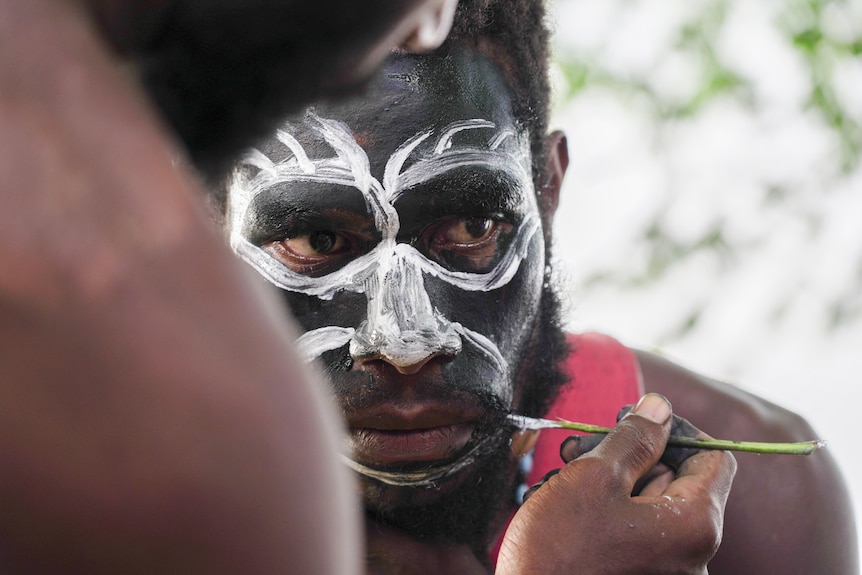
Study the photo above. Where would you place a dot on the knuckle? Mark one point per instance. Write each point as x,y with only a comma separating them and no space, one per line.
705,537
601,474
641,445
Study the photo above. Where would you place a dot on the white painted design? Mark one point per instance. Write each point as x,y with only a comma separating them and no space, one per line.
500,385
445,141
422,478
305,165
313,343
401,322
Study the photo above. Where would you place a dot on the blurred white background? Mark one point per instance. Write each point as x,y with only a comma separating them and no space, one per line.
713,206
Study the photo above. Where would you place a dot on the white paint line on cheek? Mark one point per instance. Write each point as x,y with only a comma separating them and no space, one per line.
501,386
312,344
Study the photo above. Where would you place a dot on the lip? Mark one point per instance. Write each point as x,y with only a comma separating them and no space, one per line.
384,448
392,437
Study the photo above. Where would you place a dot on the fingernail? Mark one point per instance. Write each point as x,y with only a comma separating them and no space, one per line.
570,448
654,407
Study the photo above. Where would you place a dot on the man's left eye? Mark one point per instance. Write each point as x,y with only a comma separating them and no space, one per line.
318,243
317,252
466,231
467,243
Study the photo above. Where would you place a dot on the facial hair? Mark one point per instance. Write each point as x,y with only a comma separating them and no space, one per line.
474,511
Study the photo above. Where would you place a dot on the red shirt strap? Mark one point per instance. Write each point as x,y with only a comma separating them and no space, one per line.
604,376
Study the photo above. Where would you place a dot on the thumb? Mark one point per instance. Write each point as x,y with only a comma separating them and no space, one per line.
638,441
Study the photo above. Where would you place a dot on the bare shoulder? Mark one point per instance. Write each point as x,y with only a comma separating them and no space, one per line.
720,409
786,514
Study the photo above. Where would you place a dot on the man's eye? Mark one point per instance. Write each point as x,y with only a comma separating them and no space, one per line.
314,253
316,243
466,231
467,244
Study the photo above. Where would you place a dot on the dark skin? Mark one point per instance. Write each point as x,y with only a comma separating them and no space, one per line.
277,55
143,431
128,445
392,407
769,491
763,532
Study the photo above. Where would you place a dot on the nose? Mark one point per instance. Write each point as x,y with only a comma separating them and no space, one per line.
402,327
432,25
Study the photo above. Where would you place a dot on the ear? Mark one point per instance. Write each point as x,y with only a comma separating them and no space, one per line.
556,163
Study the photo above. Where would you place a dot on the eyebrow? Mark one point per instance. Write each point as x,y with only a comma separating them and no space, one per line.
301,204
477,188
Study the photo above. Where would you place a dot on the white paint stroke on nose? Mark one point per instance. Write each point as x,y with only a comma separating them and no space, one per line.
401,325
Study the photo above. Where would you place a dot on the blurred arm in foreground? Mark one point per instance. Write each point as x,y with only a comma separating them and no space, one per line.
154,416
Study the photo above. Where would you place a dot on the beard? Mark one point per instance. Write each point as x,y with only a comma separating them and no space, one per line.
473,510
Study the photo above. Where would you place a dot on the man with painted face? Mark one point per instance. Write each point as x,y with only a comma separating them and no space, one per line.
151,404
408,230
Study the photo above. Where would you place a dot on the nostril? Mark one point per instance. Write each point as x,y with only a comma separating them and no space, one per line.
402,367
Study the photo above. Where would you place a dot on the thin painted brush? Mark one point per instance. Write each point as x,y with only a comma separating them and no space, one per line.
799,448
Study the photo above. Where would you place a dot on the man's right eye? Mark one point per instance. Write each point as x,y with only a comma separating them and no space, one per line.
315,253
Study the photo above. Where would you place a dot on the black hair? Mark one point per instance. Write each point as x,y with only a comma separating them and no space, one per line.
223,76
514,34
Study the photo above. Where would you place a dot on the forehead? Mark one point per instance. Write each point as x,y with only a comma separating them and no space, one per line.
414,94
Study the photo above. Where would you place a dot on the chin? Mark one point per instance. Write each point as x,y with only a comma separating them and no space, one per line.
463,508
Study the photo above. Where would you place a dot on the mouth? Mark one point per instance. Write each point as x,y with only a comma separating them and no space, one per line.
387,448
416,446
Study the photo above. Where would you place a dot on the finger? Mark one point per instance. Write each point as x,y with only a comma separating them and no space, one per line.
541,482
706,471
576,445
673,456
655,482
637,442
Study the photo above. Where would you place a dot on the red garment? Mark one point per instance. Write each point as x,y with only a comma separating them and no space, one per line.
604,375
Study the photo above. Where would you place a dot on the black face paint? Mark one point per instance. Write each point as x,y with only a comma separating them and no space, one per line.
405,231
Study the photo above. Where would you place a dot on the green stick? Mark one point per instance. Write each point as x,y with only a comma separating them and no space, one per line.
800,448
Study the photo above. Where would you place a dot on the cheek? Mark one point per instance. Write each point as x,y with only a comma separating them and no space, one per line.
505,315
345,309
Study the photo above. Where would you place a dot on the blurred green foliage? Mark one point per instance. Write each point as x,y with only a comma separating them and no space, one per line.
825,36
805,26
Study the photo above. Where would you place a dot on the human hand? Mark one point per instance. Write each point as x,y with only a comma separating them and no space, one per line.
671,459
614,510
